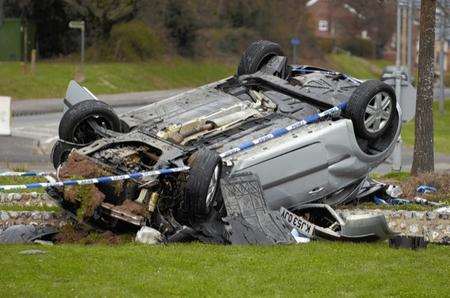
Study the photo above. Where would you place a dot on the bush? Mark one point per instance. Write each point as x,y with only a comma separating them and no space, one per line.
224,41
133,41
128,42
181,23
359,47
325,44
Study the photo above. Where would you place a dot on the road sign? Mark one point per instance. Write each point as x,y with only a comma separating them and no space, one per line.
76,25
5,116
295,41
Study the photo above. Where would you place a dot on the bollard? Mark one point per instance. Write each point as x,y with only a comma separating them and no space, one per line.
5,116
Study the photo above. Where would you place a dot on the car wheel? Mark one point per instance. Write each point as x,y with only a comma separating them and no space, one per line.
257,55
203,184
60,153
371,107
77,123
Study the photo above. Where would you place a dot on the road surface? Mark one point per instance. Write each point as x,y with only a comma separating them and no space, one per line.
33,136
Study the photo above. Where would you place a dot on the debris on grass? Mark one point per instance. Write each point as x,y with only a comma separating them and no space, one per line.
409,184
78,235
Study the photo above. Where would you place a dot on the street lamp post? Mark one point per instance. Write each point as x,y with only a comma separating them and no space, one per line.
397,154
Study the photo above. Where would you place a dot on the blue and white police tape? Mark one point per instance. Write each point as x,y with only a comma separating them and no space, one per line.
284,130
99,180
243,146
25,174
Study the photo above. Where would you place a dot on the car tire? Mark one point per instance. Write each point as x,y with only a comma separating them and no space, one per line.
203,185
371,108
74,125
257,55
60,153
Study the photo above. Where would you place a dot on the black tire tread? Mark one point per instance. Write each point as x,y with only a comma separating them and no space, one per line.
202,168
57,154
80,111
257,53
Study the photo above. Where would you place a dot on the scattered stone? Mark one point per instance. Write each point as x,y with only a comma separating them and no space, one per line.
432,225
27,199
431,215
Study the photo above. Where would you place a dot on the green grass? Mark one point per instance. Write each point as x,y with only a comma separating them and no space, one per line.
398,176
21,180
51,78
356,66
315,269
10,207
407,207
441,130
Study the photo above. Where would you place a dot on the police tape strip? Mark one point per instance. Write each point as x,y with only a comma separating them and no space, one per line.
243,146
25,174
284,130
100,180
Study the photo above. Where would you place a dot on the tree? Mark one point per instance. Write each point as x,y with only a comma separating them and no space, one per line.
423,160
180,21
1,12
52,33
101,15
376,17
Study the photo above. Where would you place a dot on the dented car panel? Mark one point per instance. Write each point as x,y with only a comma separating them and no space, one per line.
325,161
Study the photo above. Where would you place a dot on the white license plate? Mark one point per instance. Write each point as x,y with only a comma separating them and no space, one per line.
295,221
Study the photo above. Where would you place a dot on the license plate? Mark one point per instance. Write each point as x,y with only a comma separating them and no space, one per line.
295,221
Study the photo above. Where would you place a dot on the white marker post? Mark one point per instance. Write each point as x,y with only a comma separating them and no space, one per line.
5,116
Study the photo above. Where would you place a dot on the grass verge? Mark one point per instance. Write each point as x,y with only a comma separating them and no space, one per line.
441,129
409,184
51,78
22,180
356,66
10,207
315,269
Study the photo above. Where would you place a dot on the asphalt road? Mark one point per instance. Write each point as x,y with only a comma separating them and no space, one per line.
33,136
44,127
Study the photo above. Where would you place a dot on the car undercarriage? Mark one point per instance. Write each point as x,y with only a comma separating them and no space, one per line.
273,137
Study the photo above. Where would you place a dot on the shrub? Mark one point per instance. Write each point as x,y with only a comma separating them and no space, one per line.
224,41
128,42
133,41
325,44
359,47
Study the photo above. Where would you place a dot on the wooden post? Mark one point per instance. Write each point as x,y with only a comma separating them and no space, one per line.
33,61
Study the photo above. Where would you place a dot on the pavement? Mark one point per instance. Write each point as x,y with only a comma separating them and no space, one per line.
26,107
35,129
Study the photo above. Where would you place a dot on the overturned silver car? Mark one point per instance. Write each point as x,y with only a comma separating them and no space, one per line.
311,135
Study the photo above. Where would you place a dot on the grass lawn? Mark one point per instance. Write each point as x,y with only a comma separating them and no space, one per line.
441,130
51,78
315,269
358,67
21,180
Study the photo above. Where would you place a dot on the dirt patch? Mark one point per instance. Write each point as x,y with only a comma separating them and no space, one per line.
441,181
70,234
132,207
89,197
78,165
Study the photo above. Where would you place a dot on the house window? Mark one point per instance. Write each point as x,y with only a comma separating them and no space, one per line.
323,25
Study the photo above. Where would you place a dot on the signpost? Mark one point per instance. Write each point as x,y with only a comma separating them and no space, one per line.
5,116
295,41
81,26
